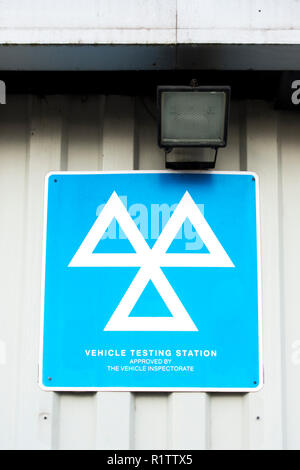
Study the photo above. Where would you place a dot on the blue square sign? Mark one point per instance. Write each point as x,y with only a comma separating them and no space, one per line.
151,282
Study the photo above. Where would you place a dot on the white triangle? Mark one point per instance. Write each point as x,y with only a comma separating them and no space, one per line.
150,262
217,256
121,321
84,257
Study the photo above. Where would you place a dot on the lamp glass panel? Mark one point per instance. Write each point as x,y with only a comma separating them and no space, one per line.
193,117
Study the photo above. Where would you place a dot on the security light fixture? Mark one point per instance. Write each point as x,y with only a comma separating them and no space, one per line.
192,116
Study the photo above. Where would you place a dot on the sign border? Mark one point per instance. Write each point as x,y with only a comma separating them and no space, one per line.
152,389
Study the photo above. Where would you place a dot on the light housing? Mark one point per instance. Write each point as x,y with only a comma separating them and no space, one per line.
191,116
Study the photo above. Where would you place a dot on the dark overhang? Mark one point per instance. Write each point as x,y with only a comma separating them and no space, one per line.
149,57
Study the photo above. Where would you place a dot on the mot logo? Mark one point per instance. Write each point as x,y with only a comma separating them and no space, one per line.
2,92
125,279
295,92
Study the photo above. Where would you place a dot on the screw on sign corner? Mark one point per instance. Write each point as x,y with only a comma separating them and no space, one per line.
55,181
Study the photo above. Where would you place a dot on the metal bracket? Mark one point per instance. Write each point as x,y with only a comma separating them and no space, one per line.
190,165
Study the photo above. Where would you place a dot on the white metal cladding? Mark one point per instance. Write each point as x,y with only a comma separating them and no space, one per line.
149,21
119,133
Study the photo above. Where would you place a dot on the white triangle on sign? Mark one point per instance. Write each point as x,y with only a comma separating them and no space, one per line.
150,262
187,209
121,321
84,257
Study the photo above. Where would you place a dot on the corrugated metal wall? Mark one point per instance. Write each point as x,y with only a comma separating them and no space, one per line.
38,134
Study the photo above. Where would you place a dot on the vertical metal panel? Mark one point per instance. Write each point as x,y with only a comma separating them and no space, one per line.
13,172
96,132
290,262
265,414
